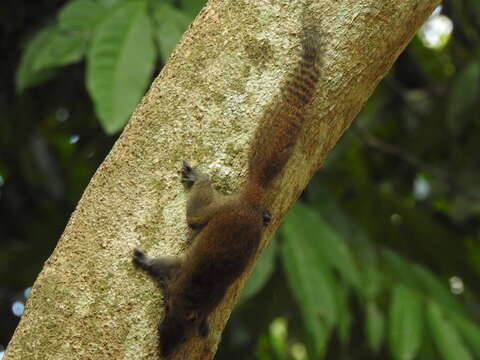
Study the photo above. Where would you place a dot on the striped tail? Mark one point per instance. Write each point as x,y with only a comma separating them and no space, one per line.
281,125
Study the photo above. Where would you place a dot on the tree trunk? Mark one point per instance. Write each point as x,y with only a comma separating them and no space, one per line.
89,302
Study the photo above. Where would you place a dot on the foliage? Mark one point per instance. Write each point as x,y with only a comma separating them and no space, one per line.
380,258
117,40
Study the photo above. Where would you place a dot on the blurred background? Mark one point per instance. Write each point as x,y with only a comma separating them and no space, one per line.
380,259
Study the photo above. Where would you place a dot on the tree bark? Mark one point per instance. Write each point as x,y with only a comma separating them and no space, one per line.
89,302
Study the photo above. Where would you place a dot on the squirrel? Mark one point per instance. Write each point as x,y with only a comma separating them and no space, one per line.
228,229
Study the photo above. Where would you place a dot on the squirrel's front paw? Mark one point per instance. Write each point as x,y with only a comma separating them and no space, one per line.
189,175
139,258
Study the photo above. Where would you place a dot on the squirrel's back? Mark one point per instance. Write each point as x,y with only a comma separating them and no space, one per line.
281,124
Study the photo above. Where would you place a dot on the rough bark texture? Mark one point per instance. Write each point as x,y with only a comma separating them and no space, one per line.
89,302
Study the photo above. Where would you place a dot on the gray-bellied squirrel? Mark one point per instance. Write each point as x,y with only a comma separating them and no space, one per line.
229,227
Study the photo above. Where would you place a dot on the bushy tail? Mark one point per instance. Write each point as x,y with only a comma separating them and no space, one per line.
280,126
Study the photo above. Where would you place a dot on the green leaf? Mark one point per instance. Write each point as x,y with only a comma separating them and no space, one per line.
63,47
310,281
375,326
372,282
120,63
464,96
344,313
435,289
332,211
171,24
27,73
81,15
469,331
261,273
60,44
449,344
109,3
327,244
406,323
399,268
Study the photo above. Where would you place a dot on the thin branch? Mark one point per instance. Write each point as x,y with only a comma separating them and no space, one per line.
372,141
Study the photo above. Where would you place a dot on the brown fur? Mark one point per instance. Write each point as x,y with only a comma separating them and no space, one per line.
229,227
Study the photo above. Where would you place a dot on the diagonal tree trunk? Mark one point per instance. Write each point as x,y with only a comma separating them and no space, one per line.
89,302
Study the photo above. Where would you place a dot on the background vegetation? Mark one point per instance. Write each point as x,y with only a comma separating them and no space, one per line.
380,258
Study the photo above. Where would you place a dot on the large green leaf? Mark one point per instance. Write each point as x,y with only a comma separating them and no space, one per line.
469,331
170,26
406,323
63,47
326,243
27,72
435,289
372,282
109,3
330,209
342,295
120,63
80,15
375,325
310,281
261,273
60,44
448,342
399,268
